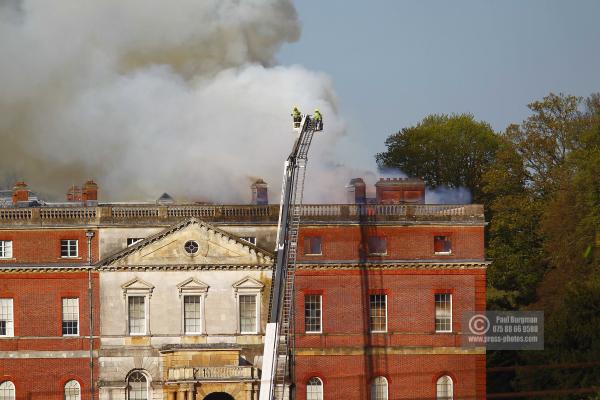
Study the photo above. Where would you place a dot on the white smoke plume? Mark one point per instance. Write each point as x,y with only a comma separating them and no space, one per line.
447,195
148,96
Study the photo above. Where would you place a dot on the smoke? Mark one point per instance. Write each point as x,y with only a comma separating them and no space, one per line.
447,195
151,96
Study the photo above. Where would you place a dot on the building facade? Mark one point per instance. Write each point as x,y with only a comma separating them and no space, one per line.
47,290
180,296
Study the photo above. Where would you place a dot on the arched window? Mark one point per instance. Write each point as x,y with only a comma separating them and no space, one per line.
379,388
137,388
445,388
314,389
72,390
7,391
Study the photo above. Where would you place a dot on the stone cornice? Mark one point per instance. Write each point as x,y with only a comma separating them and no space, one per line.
11,268
394,265
420,265
186,267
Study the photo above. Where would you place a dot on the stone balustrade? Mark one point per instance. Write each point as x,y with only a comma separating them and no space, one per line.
167,214
233,373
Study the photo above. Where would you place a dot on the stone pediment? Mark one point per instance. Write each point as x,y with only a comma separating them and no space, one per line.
248,284
137,286
192,285
188,243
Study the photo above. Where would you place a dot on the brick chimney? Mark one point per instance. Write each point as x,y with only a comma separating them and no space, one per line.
90,192
260,192
20,193
399,191
74,193
356,191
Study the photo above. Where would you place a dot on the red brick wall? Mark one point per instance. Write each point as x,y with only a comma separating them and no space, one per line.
43,246
44,379
410,376
410,305
37,309
411,324
344,243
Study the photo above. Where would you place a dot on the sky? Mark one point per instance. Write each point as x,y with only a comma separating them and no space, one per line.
392,62
135,107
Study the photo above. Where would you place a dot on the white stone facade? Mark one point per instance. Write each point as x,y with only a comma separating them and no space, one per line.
159,272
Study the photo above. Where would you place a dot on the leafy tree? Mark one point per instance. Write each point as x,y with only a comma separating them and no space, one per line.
522,185
540,184
544,188
449,150
545,138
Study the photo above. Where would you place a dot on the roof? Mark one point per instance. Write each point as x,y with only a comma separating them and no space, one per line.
165,198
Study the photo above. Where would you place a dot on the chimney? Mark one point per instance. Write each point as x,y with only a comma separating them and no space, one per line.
74,193
20,193
400,191
89,194
260,192
356,191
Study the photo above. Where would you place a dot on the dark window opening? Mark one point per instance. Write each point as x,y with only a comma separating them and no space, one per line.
312,245
377,245
442,245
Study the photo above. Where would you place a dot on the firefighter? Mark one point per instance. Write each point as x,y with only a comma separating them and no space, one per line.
318,118
297,117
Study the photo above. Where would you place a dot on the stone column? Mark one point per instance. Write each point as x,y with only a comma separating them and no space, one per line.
181,394
171,395
190,394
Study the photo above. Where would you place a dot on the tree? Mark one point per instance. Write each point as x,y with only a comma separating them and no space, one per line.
449,150
544,187
546,138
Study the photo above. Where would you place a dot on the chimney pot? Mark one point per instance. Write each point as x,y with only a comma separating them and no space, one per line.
90,192
400,191
74,193
356,191
20,193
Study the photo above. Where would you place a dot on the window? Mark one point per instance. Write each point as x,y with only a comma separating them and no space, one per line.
132,241
5,248
248,313
247,292
443,312
6,317
312,245
192,314
249,239
378,312
137,315
69,248
377,244
7,391
379,388
312,313
137,387
442,245
445,388
72,390
70,317
191,247
314,389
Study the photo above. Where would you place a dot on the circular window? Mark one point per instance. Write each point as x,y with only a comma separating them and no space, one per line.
191,247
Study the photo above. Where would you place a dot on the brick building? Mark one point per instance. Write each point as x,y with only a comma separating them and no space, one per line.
180,297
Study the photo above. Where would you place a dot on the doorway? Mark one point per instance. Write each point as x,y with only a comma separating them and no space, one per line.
219,396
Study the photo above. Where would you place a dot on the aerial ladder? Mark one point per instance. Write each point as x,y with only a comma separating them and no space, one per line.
277,364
